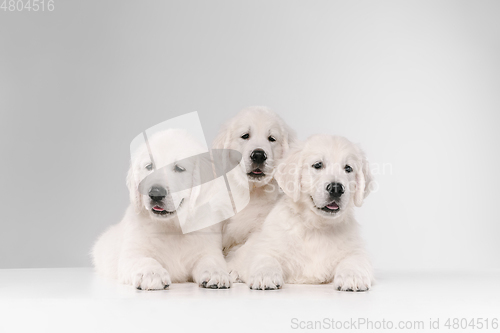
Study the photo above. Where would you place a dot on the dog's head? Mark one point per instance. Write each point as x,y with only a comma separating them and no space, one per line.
328,174
162,173
261,136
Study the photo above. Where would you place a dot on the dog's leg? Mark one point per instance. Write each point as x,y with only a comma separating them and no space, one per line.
143,273
265,274
235,262
353,273
210,271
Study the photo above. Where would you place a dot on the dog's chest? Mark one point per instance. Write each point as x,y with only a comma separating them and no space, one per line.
177,253
238,228
315,261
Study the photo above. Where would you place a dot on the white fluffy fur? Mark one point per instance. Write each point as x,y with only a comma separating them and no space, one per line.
260,123
299,242
149,251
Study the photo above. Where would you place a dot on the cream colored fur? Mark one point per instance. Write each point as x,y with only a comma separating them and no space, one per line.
149,251
260,123
299,241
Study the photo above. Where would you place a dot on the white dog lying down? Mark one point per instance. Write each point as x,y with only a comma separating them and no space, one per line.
147,248
262,137
311,235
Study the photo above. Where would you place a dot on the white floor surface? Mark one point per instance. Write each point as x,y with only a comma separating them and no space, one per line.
77,300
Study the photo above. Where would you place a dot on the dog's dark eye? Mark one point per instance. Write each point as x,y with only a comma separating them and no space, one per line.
245,136
178,168
348,168
271,138
149,167
317,165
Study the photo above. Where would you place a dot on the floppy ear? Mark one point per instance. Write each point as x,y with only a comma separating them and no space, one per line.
289,137
221,141
133,189
289,173
364,178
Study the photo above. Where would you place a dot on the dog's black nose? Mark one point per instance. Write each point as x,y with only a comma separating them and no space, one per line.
157,193
335,190
258,156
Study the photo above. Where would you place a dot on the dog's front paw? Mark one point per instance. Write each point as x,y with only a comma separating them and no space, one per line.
351,280
215,280
151,278
266,280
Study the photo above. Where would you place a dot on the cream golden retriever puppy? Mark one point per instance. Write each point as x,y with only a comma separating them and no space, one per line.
262,137
311,235
147,249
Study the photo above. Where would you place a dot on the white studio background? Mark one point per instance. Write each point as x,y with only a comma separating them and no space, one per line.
416,83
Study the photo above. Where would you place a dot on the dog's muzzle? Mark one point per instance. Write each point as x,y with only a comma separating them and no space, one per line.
258,158
157,193
335,190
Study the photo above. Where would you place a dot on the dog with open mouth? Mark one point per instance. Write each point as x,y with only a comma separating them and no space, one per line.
148,249
311,235
262,138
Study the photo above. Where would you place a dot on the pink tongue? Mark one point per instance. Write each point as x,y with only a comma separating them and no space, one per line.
333,205
257,171
159,209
